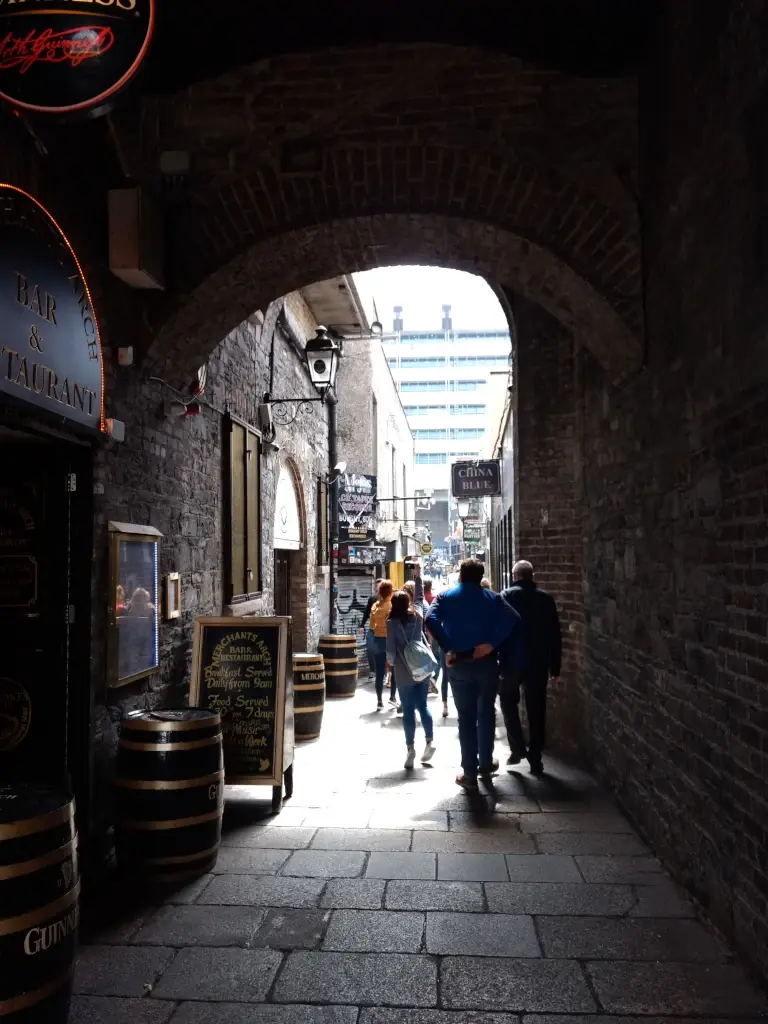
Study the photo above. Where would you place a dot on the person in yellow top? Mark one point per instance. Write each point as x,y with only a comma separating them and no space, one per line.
379,615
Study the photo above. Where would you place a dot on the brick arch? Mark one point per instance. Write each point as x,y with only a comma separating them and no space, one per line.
279,264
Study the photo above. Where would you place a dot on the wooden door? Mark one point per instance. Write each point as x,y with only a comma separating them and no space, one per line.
282,582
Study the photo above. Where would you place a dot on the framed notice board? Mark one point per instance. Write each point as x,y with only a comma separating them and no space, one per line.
242,667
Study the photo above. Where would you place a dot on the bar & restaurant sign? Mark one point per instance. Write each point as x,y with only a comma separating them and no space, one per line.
50,348
68,57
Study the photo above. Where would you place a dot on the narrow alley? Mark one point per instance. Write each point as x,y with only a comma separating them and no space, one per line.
378,896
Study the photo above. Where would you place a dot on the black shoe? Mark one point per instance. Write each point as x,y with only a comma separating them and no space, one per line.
380,706
514,758
486,773
537,768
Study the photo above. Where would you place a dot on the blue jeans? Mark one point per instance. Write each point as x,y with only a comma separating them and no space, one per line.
475,685
369,649
413,699
380,662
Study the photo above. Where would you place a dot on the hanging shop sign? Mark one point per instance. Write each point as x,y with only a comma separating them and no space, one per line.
349,555
50,349
473,533
241,667
71,56
476,478
357,508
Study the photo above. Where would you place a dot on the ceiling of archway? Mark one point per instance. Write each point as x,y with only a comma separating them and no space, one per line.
583,37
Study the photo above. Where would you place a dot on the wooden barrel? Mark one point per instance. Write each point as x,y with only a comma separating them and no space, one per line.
39,908
308,695
169,793
340,657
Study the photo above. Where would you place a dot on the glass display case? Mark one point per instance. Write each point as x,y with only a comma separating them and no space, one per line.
134,609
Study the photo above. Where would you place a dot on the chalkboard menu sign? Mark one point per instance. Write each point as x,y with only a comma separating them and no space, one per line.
241,668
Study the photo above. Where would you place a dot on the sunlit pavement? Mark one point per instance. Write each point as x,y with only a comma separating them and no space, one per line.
381,896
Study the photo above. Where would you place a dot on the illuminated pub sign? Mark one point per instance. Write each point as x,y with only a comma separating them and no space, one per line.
71,56
50,349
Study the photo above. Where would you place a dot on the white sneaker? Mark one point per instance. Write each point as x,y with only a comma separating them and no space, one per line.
429,752
411,758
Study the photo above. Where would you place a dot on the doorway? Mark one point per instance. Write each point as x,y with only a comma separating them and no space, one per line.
283,573
45,578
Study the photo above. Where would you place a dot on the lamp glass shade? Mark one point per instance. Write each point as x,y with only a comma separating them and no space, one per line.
462,506
322,356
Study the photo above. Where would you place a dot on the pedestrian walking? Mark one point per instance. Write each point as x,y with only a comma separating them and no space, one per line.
404,630
369,639
539,659
379,615
435,646
471,623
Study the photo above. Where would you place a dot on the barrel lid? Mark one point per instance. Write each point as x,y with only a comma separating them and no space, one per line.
170,715
18,803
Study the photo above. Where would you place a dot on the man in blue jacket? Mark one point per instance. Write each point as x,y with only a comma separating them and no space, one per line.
539,658
471,623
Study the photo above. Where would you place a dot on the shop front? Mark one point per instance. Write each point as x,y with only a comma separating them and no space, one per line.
51,414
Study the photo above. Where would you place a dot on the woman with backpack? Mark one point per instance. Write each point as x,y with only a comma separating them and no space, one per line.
412,663
378,622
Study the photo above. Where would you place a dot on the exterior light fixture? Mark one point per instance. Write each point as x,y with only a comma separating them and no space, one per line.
462,506
322,356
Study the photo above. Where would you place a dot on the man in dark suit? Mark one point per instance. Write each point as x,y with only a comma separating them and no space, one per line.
539,658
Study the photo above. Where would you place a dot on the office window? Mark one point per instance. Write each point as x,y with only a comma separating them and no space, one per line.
467,385
423,410
422,385
465,455
467,410
431,459
414,337
430,434
482,334
323,544
421,362
244,511
479,360
464,433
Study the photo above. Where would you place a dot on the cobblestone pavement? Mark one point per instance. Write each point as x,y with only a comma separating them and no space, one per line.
380,896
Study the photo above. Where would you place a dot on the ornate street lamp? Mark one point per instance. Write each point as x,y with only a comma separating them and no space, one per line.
322,357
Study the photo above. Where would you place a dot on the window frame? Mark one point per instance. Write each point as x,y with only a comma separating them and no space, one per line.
232,514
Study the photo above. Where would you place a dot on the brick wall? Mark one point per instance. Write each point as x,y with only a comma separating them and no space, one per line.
549,529
676,478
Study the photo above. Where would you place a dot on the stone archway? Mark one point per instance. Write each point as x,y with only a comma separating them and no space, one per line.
289,543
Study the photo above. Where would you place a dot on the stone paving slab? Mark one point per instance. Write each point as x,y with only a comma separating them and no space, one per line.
325,864
676,989
367,839
283,838
189,893
338,818
220,975
542,867
481,935
286,928
200,926
262,1013
362,979
611,844
402,865
605,1018
103,1010
596,938
472,821
375,931
249,861
396,819
263,891
661,901
609,821
622,870
481,841
485,983
414,895
119,970
354,894
377,1015
559,898
471,867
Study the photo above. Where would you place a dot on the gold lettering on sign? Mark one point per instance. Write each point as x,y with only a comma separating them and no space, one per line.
38,940
35,299
89,325
43,380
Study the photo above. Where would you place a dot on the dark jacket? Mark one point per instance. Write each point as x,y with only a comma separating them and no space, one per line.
541,649
466,616
366,614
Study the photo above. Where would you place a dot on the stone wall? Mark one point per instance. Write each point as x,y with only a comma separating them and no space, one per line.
169,473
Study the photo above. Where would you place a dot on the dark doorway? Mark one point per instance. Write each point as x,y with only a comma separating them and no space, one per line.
283,565
45,574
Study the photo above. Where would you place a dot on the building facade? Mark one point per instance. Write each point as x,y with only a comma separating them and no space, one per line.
445,382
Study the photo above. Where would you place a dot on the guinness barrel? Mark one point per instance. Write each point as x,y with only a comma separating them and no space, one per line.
39,909
169,793
308,695
340,657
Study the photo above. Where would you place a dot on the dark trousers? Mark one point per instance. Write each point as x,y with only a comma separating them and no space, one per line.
534,686
474,685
